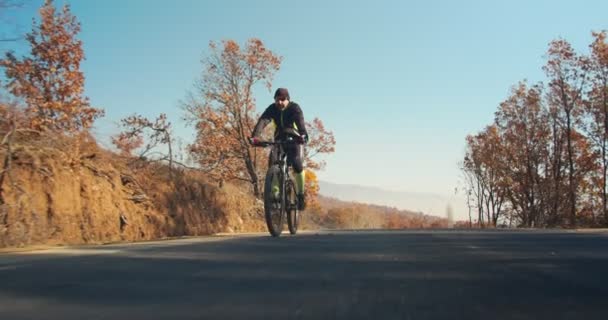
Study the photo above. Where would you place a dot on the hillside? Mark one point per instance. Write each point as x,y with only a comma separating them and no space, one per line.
337,214
47,197
428,203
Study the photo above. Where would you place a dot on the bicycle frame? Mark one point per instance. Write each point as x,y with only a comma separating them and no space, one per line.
281,159
288,205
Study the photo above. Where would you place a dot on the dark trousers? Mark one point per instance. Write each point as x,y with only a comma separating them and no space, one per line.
294,156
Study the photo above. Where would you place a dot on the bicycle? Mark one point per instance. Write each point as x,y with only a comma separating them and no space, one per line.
275,209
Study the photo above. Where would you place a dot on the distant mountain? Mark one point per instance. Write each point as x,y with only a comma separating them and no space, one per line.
427,203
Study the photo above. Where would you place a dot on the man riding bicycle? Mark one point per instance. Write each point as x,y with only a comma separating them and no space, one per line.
288,119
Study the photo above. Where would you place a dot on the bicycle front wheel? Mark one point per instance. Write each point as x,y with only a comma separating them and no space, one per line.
293,216
274,207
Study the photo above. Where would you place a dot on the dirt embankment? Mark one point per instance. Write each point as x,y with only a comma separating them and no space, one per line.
48,197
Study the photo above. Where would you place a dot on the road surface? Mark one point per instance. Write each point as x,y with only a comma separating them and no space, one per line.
328,275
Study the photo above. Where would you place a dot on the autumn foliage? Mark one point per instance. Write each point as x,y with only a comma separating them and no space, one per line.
223,110
543,162
50,85
321,141
137,129
312,189
49,80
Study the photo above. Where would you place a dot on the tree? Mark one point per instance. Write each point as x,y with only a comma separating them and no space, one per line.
556,168
598,109
550,149
567,72
321,141
223,109
587,178
132,138
523,122
50,81
127,142
473,172
312,190
484,166
223,112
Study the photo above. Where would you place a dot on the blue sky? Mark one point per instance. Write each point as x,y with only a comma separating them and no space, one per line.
401,83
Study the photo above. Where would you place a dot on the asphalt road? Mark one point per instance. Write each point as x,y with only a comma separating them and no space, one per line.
332,275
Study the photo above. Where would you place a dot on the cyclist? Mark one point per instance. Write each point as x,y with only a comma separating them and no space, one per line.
288,119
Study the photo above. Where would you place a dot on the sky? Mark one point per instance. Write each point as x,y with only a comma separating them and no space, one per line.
400,83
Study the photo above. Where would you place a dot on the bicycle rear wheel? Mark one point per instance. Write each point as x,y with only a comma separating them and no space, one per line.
293,215
274,209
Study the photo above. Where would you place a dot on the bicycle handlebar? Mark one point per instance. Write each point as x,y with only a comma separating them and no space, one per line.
264,144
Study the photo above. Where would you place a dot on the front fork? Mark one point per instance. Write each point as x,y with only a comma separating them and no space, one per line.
284,181
288,188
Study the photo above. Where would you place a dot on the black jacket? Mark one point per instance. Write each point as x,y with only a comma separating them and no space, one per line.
288,118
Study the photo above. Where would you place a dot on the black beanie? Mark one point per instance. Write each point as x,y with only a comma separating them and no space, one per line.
282,92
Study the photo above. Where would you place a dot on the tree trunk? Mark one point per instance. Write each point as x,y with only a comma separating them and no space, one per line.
571,185
469,206
604,160
604,172
6,166
170,155
480,196
488,213
253,175
557,177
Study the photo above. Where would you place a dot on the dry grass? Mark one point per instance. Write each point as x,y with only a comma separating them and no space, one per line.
66,190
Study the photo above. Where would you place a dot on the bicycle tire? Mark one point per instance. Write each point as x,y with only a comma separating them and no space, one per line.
273,222
293,215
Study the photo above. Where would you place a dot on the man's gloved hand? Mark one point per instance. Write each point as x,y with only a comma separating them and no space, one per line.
254,141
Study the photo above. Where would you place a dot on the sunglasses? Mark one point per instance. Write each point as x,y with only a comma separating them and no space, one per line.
281,98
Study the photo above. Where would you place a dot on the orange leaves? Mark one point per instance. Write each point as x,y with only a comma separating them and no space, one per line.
560,50
552,143
312,191
598,93
216,147
231,47
127,143
568,73
135,126
223,109
50,81
599,48
321,142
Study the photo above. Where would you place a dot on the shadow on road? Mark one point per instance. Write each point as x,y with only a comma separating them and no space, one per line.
345,275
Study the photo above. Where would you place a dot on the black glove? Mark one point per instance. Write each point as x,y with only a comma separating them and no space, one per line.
254,141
